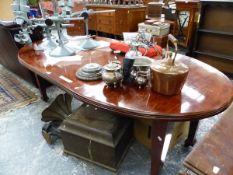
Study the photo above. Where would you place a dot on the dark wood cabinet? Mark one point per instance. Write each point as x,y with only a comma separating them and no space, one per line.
214,36
124,19
185,33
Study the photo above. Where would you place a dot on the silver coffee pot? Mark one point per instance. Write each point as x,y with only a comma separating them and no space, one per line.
141,70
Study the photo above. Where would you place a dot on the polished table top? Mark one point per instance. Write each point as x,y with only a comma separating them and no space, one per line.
206,92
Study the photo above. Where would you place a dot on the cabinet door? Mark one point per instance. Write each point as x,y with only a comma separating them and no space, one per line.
127,19
106,23
92,24
135,16
121,21
102,22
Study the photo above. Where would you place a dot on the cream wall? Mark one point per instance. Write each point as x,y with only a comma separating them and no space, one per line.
5,10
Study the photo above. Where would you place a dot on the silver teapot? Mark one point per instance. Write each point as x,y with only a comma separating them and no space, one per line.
112,74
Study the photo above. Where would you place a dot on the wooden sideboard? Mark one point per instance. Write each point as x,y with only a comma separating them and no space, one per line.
124,19
214,36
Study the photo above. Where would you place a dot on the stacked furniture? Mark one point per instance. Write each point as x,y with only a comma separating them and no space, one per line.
214,36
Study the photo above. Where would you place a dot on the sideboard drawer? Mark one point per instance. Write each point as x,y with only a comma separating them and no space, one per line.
107,13
105,20
105,28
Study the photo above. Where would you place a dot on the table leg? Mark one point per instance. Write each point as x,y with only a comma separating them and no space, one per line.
42,88
191,140
161,133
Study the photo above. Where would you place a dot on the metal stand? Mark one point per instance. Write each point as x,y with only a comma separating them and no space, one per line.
48,43
61,50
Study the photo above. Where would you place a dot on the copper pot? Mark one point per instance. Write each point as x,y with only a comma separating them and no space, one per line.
168,76
168,80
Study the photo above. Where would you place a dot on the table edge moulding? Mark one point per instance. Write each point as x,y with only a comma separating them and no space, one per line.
26,55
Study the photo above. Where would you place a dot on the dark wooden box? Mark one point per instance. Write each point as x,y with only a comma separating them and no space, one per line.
97,136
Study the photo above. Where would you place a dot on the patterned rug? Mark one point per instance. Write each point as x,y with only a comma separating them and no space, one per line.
13,93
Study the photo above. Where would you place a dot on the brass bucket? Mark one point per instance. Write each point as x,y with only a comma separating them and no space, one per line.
168,77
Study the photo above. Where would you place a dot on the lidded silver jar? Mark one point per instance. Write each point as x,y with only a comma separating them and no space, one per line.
112,74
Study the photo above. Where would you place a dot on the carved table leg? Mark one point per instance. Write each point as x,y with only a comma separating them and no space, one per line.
161,133
191,140
42,88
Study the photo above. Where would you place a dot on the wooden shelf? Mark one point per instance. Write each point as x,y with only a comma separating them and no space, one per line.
213,40
215,32
227,57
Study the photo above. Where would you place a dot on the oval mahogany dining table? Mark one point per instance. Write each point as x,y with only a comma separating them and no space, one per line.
206,93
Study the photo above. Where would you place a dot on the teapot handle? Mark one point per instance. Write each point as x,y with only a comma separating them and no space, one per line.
174,41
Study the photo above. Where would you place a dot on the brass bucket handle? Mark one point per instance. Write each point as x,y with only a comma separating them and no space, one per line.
174,41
